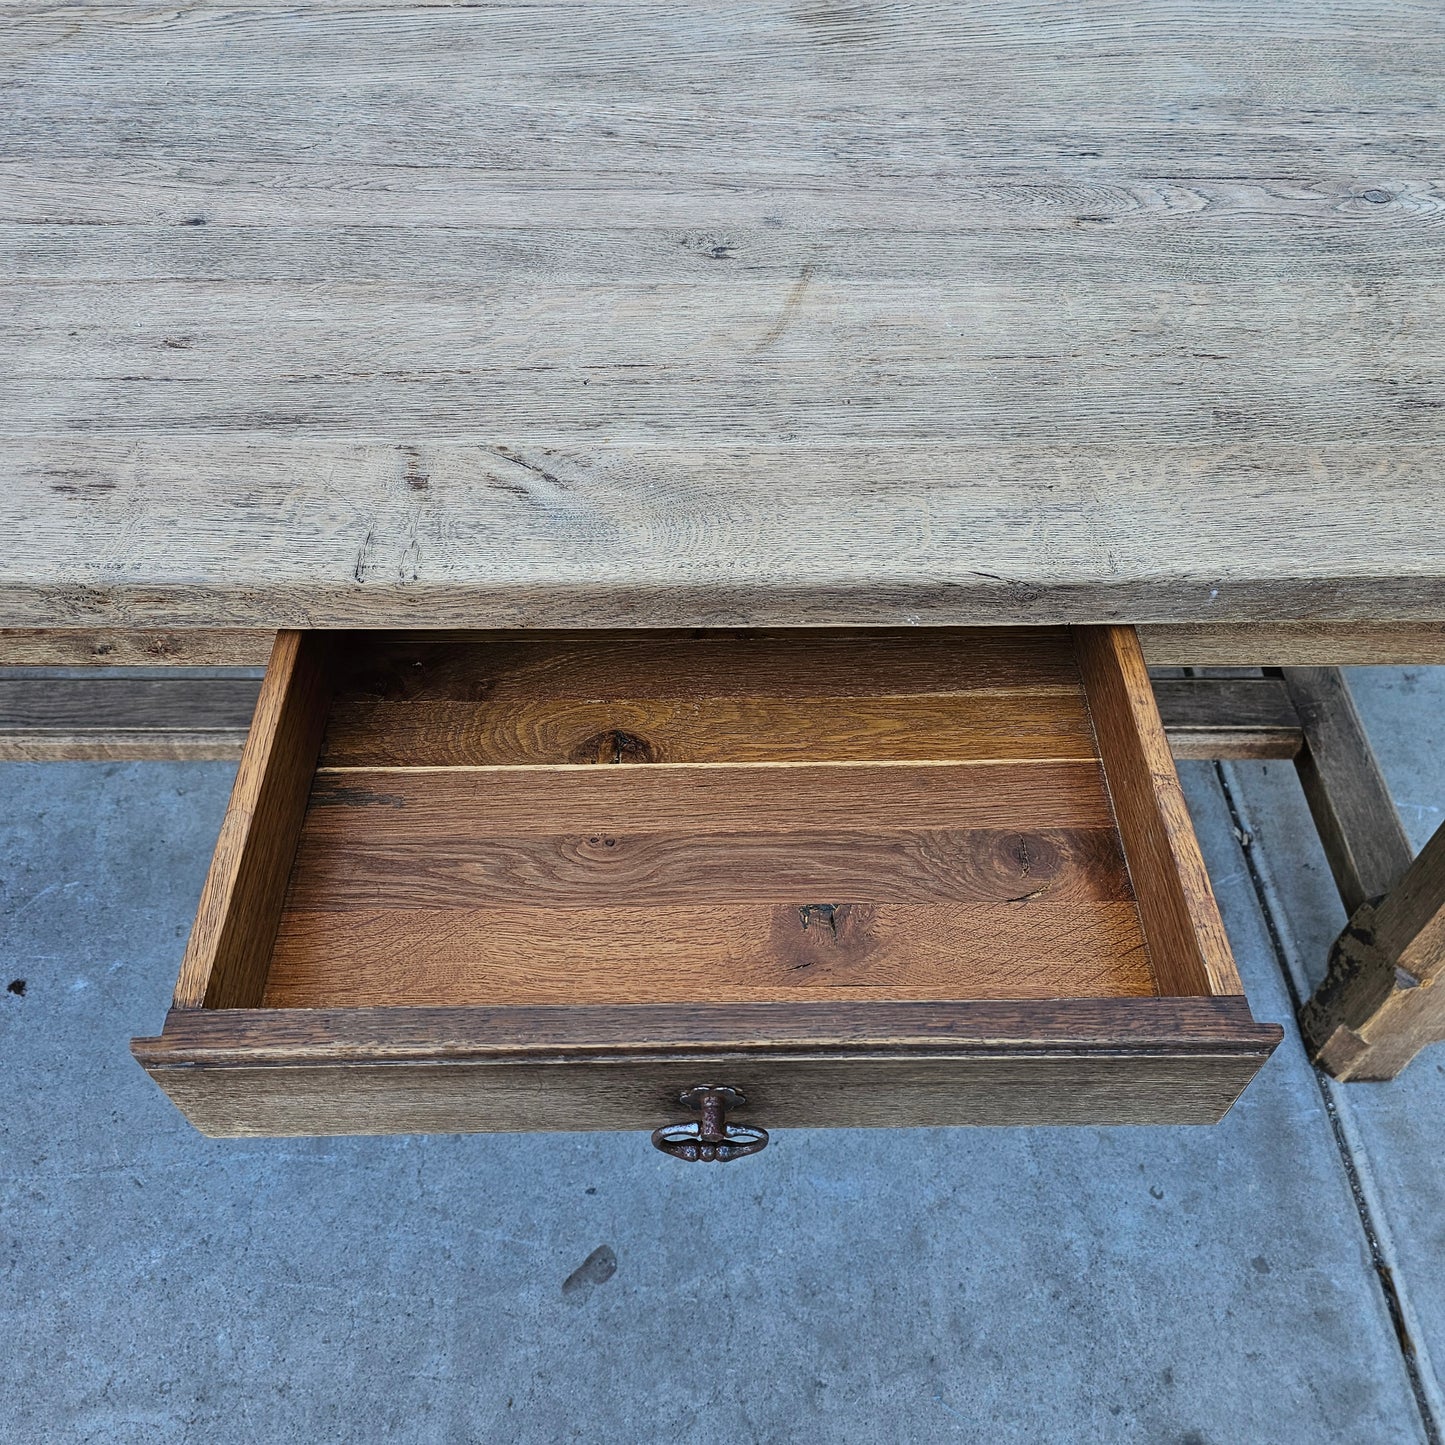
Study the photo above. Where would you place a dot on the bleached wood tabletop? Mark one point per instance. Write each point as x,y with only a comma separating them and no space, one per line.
633,312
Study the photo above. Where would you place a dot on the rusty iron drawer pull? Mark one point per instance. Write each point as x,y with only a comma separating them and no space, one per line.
712,1139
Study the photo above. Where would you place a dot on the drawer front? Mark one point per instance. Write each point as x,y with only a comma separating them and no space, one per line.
807,1092
474,882
461,1070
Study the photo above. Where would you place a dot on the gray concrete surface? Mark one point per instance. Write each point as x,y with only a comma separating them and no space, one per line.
1394,1133
1195,1287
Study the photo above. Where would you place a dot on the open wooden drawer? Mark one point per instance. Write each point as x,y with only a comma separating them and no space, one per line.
545,881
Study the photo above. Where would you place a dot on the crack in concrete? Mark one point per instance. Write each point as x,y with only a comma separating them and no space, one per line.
1384,1272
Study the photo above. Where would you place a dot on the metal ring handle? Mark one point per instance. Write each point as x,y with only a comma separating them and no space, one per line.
712,1140
685,1141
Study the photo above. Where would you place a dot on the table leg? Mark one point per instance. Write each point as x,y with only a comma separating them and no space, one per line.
1383,998
1378,1004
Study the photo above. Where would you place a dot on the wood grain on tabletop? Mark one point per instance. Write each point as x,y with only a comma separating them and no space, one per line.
636,314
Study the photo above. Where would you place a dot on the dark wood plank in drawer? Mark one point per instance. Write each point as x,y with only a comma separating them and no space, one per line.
711,698
691,867
405,891
367,733
421,806
618,667
720,952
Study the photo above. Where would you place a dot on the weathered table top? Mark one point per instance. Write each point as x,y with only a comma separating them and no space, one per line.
623,311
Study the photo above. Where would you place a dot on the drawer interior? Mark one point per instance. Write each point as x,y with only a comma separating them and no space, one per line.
490,820
725,819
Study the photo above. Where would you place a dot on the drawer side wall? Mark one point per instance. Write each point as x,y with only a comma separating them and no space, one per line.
1188,947
228,954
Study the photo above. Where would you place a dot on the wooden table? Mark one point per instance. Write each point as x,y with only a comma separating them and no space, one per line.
639,314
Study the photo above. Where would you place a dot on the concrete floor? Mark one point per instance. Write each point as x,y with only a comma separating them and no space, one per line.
1197,1287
